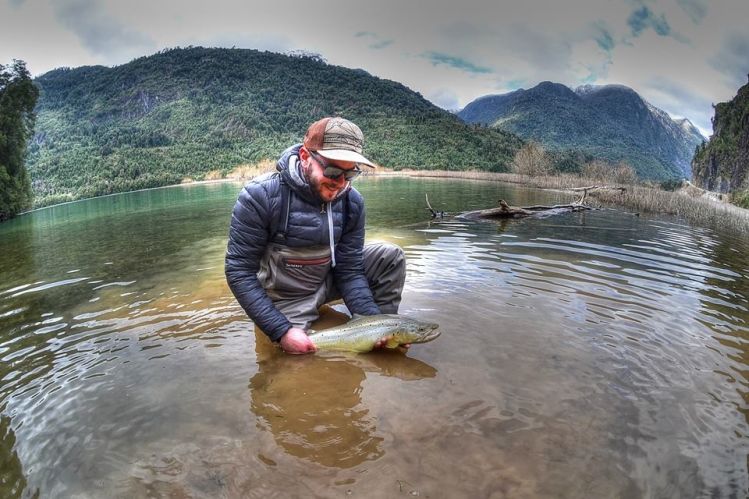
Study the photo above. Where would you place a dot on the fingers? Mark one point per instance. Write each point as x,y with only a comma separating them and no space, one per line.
381,342
296,342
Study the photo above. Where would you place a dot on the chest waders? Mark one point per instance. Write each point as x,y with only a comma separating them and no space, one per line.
298,279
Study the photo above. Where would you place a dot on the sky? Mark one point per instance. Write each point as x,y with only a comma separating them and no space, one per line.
682,56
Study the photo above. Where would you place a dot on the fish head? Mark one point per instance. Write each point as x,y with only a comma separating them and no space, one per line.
414,331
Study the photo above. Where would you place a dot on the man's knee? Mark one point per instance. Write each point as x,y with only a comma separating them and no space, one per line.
382,257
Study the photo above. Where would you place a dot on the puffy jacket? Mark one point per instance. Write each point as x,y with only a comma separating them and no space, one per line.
257,220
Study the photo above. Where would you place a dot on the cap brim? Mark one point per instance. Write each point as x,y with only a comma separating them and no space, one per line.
344,155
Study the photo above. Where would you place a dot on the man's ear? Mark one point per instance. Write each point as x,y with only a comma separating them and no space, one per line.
304,158
303,154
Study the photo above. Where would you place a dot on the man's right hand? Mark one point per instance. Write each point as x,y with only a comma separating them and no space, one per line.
296,341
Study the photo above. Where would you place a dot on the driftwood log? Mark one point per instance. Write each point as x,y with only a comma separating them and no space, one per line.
434,212
505,211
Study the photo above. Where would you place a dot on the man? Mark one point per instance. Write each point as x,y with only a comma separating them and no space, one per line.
296,240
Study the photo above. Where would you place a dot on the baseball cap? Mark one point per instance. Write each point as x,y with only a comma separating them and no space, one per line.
337,139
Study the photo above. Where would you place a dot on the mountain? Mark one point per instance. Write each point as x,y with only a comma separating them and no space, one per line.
611,122
722,163
187,112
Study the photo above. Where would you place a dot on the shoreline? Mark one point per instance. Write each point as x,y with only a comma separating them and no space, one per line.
695,205
691,203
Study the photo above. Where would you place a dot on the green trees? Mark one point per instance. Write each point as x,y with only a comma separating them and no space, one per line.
17,100
196,111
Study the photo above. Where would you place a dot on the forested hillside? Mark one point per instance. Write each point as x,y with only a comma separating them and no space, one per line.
185,112
722,164
608,122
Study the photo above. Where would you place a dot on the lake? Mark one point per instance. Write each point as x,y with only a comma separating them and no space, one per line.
592,354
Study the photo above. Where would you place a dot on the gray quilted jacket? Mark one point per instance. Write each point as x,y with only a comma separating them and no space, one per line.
258,219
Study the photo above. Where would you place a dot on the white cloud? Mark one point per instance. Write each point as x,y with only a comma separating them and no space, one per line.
693,62
101,33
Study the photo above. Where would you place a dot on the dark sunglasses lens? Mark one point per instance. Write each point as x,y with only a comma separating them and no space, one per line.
335,172
332,172
352,174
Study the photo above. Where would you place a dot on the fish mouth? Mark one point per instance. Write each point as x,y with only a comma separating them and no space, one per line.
431,332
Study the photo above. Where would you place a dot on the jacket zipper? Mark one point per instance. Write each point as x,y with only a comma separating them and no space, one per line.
331,234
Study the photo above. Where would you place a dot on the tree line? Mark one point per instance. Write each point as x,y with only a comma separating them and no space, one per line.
18,96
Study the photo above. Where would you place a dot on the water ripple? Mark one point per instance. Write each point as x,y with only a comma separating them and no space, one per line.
593,357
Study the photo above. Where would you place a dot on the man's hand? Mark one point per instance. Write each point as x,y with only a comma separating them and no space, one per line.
296,341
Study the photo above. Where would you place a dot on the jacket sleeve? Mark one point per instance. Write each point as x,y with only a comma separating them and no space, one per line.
249,232
348,273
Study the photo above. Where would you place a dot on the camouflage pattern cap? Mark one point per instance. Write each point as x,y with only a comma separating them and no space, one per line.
337,139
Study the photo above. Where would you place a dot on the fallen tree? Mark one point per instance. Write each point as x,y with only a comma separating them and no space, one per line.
505,211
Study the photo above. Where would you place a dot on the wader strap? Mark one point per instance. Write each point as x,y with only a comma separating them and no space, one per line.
283,221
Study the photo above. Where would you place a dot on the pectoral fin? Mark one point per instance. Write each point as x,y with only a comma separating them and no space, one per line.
392,342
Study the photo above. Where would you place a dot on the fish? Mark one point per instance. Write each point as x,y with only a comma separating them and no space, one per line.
362,332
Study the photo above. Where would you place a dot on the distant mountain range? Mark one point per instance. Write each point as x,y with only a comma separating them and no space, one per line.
187,112
611,122
723,163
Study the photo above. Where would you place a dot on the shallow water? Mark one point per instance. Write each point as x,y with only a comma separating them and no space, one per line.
593,354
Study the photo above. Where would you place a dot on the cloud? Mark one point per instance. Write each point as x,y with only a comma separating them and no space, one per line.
695,9
516,84
603,36
588,62
450,50
672,95
732,60
456,62
259,41
540,52
644,18
99,32
445,98
377,41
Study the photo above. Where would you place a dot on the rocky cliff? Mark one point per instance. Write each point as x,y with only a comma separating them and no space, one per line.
722,163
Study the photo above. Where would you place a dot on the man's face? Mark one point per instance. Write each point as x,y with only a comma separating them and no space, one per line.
314,165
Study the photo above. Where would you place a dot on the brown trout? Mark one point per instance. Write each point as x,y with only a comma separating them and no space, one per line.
361,333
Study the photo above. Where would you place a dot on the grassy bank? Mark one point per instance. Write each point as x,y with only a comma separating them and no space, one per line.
694,205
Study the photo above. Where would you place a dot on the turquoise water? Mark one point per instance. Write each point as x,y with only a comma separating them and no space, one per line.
594,354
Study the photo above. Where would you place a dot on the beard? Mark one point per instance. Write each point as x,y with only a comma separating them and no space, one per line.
325,188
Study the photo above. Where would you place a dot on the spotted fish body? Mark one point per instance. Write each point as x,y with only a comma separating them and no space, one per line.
361,333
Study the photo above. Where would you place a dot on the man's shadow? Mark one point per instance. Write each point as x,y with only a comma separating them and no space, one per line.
312,404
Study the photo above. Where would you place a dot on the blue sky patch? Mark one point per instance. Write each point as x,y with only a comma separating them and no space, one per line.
456,62
644,18
603,37
376,41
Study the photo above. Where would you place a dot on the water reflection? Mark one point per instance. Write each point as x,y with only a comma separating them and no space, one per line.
313,407
313,404
12,479
586,355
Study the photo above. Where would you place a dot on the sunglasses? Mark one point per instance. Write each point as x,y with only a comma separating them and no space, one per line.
333,172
